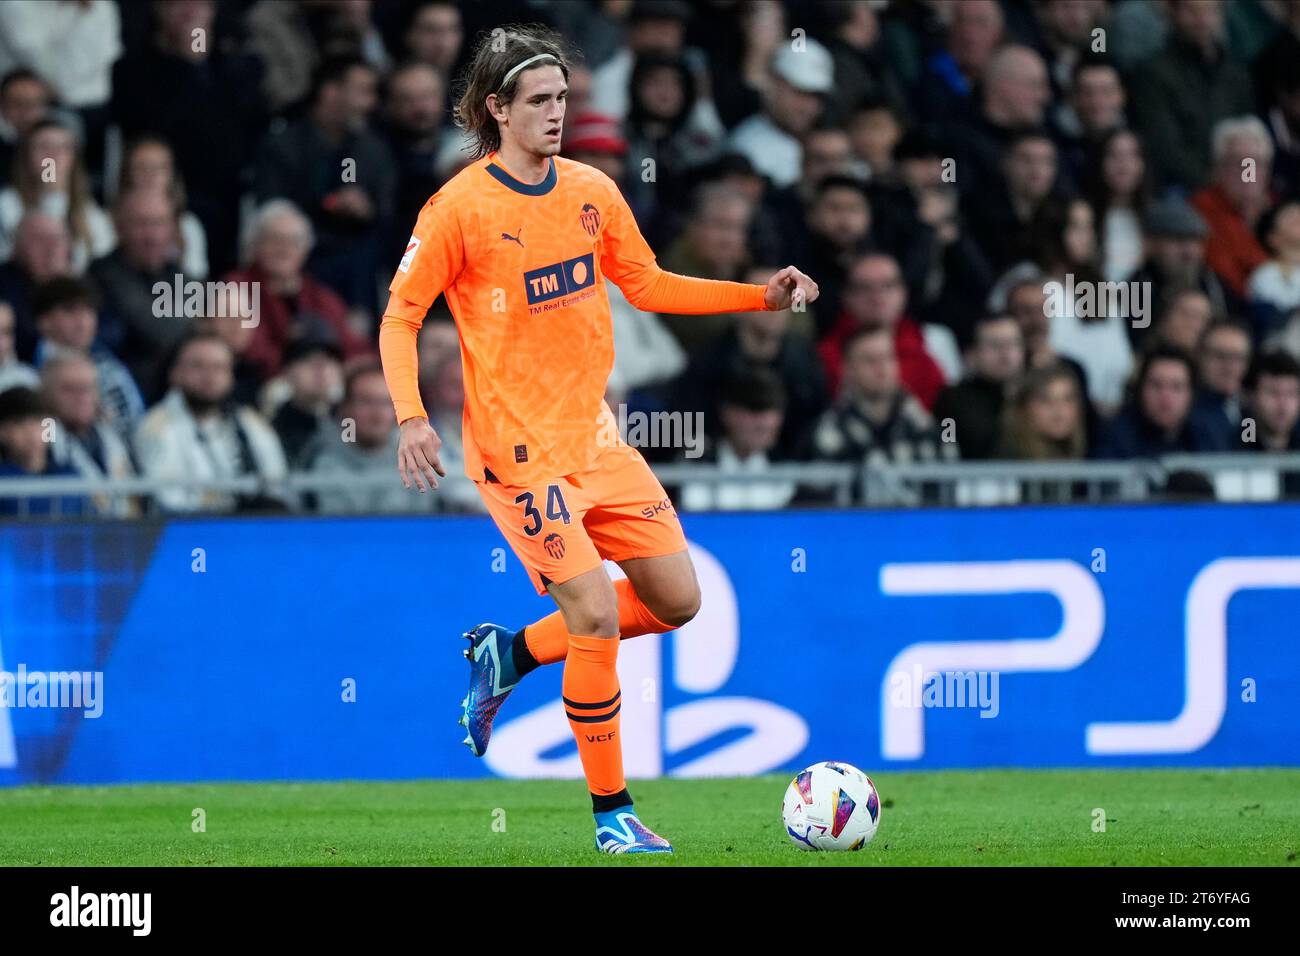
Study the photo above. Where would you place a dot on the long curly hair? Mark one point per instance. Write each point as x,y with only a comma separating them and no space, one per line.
497,53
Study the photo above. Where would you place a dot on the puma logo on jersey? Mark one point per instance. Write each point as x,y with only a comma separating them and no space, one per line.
515,237
411,248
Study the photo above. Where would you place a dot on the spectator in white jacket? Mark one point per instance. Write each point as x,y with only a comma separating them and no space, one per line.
197,432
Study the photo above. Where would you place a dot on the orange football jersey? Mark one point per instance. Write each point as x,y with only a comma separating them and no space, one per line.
523,269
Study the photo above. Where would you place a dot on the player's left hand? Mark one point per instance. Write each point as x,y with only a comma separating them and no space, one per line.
788,288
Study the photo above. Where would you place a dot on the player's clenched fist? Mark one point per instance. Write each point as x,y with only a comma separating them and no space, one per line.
789,288
417,453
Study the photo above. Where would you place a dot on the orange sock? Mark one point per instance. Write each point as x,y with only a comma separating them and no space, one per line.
548,639
592,701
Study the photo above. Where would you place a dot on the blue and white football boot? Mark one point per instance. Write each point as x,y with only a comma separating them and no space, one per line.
620,831
492,677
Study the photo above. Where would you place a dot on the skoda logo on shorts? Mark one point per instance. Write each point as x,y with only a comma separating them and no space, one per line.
562,278
554,544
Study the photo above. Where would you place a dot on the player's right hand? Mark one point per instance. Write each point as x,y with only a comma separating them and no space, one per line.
417,454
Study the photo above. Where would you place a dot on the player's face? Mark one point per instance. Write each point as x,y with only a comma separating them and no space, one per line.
535,118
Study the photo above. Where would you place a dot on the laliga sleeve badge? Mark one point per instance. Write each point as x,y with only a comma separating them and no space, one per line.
411,248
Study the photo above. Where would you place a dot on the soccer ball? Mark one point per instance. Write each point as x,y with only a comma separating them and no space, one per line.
831,806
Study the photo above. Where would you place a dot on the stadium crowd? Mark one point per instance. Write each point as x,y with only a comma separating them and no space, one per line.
1042,229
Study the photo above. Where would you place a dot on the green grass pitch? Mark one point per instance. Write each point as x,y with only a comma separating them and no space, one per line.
999,817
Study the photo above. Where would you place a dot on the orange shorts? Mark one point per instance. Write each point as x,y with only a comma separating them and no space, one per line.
567,526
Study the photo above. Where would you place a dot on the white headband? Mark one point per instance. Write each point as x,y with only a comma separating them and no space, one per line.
516,69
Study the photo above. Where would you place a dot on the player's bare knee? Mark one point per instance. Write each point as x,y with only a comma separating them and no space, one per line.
682,609
691,608
607,623
592,620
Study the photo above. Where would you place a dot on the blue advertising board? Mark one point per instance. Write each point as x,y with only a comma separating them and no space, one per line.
306,648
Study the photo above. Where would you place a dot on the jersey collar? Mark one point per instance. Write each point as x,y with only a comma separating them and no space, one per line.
527,189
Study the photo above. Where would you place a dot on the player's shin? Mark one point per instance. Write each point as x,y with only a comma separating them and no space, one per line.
592,702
